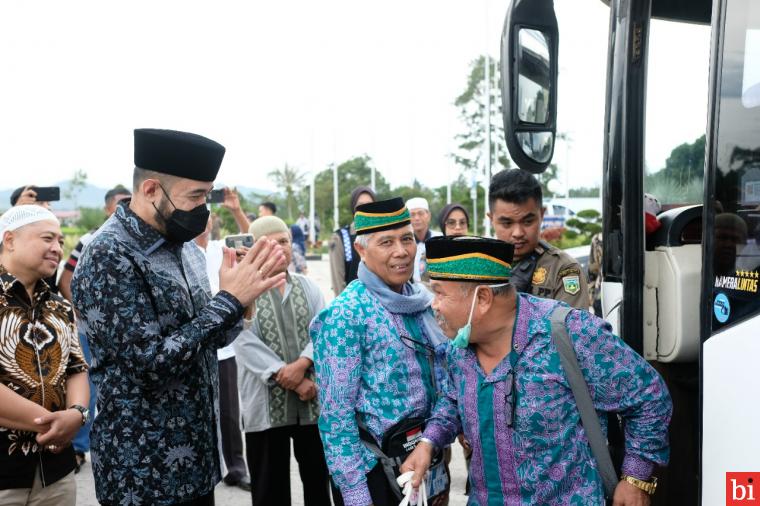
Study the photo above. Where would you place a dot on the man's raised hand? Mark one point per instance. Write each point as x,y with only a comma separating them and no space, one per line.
254,274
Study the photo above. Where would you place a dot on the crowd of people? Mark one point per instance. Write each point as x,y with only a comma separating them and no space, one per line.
177,359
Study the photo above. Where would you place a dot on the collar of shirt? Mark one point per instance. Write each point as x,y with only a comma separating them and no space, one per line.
428,235
147,238
8,281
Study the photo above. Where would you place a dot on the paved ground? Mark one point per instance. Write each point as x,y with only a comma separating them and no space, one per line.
231,496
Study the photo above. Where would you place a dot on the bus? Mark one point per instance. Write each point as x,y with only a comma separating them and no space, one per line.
686,297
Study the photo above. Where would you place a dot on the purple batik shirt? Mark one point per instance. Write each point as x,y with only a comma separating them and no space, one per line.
544,456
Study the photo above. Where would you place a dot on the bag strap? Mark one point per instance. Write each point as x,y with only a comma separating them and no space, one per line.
383,459
589,416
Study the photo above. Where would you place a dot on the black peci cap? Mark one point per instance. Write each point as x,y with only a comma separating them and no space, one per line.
180,154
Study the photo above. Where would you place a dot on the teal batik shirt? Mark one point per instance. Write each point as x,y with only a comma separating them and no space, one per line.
366,371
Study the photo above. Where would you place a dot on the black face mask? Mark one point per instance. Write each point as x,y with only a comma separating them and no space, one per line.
183,226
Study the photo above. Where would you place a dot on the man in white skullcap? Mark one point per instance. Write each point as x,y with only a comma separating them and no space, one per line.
420,213
275,361
43,375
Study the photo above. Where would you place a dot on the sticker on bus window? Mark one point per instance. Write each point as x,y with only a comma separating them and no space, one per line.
751,79
722,308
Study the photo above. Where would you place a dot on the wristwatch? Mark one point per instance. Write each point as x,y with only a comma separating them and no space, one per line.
84,411
647,486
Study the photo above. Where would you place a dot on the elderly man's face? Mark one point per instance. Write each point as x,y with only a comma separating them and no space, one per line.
420,220
36,248
390,255
451,305
283,240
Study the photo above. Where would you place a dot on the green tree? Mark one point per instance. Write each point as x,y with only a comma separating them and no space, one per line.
351,173
472,111
680,181
289,180
585,192
229,225
74,186
91,218
546,177
686,162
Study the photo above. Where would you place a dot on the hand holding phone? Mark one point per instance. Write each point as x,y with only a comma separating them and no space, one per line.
215,196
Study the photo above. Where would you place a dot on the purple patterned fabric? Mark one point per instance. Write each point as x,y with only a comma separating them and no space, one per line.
545,457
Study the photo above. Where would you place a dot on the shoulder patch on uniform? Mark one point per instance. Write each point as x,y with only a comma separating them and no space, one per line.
539,276
569,271
571,284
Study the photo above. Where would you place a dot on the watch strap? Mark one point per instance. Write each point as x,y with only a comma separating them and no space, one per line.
83,411
647,486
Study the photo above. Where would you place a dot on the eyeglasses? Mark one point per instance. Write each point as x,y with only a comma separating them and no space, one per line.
509,398
456,223
417,346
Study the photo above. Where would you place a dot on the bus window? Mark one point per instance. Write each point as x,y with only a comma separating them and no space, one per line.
736,256
676,115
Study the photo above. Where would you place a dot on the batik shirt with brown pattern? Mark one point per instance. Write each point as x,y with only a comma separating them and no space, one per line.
39,351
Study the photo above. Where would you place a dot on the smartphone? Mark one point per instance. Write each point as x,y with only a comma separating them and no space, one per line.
215,196
239,241
47,193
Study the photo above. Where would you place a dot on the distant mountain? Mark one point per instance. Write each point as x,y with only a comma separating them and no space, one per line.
92,196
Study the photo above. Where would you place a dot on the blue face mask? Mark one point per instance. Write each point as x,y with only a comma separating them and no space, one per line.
462,339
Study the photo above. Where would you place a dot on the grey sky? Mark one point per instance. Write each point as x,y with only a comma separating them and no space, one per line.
302,82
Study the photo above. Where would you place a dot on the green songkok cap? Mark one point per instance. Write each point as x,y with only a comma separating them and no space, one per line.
468,258
382,215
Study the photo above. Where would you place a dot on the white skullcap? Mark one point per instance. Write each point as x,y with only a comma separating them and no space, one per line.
19,216
417,203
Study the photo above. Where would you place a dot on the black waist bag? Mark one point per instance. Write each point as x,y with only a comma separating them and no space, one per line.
398,442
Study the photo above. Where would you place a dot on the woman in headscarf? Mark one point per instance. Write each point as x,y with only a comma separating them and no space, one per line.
454,220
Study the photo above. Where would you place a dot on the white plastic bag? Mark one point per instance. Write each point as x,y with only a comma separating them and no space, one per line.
412,496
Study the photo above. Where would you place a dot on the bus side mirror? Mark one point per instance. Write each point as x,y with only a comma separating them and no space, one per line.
529,49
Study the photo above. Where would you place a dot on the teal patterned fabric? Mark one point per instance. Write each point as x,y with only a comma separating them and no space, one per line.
366,372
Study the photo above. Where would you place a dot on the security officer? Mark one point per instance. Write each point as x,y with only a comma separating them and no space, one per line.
516,212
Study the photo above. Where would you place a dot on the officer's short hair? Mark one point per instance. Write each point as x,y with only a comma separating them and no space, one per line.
115,192
271,206
515,186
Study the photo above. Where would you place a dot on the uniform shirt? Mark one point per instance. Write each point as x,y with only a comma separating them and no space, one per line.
544,457
39,351
153,329
366,372
257,363
595,269
337,257
559,276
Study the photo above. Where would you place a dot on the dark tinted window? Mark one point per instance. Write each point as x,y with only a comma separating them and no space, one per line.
736,257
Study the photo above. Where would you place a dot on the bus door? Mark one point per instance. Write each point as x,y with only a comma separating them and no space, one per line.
730,308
